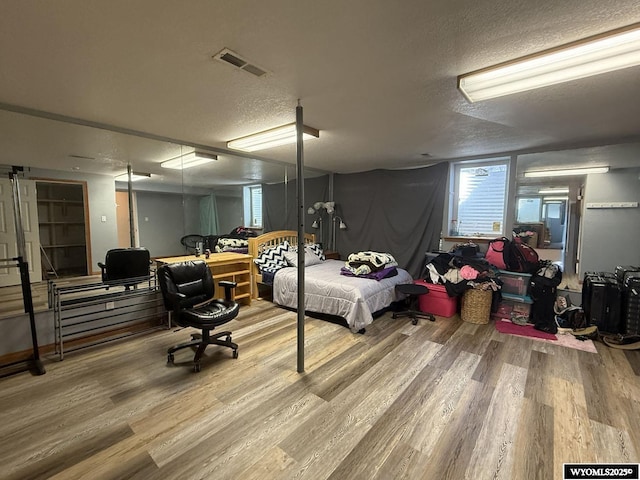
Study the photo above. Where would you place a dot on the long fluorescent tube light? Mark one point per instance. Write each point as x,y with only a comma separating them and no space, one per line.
135,176
272,138
189,160
602,53
553,191
569,171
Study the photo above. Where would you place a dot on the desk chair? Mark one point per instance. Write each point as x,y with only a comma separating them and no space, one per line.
412,291
125,266
187,290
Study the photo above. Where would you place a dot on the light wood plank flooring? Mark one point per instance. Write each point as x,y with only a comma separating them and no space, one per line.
445,400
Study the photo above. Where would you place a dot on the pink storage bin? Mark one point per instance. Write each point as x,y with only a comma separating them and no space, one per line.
437,301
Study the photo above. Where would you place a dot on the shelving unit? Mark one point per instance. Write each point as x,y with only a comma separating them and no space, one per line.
61,219
234,267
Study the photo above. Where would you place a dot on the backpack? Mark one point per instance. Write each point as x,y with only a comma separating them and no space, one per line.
498,252
521,257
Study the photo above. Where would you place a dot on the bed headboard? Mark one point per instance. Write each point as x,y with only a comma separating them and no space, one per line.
259,244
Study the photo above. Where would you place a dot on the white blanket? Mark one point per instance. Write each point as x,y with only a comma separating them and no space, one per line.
326,291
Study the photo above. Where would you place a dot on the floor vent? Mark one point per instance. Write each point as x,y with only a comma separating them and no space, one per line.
231,58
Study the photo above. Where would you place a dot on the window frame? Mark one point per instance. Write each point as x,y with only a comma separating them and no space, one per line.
248,200
455,194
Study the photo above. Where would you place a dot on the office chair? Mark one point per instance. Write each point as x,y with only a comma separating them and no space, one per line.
125,266
192,242
188,290
412,291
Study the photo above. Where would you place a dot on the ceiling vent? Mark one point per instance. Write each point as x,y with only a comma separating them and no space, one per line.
235,60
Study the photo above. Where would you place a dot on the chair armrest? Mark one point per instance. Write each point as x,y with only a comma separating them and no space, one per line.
227,288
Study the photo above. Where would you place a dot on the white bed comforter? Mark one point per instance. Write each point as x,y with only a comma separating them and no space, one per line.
326,291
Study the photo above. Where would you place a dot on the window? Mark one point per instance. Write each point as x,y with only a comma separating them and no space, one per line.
528,209
253,206
480,191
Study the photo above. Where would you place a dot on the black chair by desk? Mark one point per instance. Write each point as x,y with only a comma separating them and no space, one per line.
412,291
188,290
125,266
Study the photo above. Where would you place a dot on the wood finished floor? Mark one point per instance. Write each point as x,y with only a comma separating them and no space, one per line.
449,400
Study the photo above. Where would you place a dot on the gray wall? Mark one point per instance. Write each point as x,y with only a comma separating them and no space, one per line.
610,235
230,212
161,223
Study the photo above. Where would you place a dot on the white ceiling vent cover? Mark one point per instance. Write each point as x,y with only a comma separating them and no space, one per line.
232,58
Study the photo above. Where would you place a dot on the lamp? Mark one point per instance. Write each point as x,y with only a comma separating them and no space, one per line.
602,53
565,172
189,160
135,176
272,138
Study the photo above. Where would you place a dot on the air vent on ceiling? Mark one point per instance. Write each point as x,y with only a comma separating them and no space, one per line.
232,58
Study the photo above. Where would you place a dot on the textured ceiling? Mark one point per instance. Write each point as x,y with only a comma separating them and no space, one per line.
378,78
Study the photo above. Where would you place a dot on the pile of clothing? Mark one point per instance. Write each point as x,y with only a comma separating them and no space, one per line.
460,270
374,265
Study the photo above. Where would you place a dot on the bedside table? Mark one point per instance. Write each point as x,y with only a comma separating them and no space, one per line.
332,255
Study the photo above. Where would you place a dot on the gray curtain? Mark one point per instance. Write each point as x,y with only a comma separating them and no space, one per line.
209,216
394,211
279,209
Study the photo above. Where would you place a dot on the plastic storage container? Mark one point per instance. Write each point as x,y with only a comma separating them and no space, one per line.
437,301
514,283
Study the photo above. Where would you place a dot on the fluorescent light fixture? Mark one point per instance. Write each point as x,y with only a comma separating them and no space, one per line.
554,199
272,138
189,160
553,191
602,53
569,171
135,176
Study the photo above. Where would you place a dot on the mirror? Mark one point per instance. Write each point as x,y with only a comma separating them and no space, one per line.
561,214
82,210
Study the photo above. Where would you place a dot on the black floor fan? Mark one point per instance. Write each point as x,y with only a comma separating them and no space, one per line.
33,363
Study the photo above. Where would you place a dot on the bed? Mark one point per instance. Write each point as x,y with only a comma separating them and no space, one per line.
326,290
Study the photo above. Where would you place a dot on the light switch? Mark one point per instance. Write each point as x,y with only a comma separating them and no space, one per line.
103,218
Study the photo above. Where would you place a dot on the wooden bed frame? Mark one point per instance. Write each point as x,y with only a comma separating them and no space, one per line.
259,244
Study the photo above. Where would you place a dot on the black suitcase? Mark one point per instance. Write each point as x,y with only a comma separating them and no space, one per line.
601,303
631,304
623,270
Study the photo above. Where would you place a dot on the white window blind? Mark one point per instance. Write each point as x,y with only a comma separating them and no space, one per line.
255,194
481,194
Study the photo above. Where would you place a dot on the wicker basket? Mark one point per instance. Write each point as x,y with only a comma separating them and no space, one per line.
476,306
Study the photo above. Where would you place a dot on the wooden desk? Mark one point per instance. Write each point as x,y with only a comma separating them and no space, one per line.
235,267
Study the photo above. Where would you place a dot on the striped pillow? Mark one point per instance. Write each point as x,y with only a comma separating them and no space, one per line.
273,259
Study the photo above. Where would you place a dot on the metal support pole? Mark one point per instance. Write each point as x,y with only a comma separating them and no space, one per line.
301,212
132,233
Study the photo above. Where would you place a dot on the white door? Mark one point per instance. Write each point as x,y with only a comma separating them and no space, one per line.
8,244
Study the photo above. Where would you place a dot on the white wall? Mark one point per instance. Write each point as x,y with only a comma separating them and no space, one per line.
610,235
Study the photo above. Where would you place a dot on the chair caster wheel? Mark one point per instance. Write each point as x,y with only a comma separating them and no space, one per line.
228,338
196,367
170,358
235,354
414,321
393,315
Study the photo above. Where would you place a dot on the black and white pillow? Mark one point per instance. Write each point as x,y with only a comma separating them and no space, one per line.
317,249
273,259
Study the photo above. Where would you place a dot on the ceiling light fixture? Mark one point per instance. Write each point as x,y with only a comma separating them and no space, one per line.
566,172
189,160
553,191
135,176
602,53
272,138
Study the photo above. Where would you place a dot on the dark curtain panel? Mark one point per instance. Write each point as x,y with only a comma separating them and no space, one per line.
279,211
394,211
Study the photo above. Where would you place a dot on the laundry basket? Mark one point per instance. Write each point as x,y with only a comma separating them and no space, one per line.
476,306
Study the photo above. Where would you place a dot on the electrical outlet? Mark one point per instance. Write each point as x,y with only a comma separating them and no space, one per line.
109,305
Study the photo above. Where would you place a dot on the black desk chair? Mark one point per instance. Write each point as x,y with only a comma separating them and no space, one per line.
125,266
412,291
187,290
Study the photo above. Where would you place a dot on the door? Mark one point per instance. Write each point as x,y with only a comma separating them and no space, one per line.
8,244
555,214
